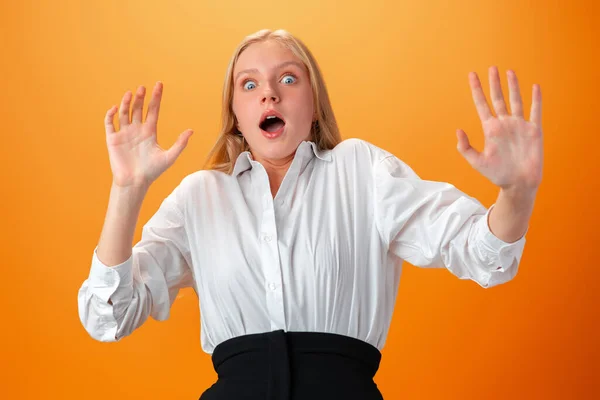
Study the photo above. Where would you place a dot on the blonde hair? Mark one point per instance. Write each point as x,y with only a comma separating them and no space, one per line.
230,144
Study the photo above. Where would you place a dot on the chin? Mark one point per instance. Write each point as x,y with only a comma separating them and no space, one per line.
277,148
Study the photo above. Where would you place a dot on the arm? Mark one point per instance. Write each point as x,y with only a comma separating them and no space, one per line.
116,299
126,284
435,225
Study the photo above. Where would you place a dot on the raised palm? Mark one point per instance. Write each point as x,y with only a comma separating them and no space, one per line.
136,159
512,157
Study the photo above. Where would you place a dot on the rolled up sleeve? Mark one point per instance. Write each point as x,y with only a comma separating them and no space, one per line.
103,284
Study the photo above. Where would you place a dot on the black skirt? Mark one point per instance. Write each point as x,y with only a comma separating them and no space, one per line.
283,365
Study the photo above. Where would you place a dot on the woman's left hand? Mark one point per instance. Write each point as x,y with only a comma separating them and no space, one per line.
512,157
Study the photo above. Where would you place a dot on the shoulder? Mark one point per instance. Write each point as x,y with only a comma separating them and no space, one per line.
201,180
361,151
367,155
204,176
199,187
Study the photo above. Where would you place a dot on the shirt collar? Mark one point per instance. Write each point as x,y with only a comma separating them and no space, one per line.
305,149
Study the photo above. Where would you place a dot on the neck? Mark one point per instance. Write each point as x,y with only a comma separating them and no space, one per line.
276,170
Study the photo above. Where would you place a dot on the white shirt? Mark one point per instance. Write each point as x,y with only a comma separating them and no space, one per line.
325,255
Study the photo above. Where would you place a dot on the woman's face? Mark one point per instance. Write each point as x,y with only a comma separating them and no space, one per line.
269,77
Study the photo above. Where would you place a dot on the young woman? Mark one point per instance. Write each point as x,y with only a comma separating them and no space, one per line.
294,239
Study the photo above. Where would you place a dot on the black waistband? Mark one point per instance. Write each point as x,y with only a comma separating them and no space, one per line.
293,348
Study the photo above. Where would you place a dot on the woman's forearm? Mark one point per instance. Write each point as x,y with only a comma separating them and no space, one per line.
121,218
509,218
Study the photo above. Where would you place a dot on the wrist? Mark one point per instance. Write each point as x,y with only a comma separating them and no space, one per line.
130,189
518,194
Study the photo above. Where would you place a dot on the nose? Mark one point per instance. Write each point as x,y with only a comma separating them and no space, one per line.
270,95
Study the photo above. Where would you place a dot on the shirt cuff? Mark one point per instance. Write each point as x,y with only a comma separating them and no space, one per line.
497,252
104,280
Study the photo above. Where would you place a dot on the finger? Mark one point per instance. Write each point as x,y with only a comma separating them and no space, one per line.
178,146
516,104
109,119
496,93
154,105
464,148
124,110
536,106
138,105
479,98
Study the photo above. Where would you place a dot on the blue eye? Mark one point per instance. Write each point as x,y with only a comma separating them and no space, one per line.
289,76
246,85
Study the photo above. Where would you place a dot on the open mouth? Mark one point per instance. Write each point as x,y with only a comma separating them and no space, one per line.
272,124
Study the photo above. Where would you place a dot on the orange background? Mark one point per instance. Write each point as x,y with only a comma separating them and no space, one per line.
397,76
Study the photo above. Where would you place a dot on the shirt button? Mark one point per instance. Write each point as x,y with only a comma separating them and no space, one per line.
267,238
272,286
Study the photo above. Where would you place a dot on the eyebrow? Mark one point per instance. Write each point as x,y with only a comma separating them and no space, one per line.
283,64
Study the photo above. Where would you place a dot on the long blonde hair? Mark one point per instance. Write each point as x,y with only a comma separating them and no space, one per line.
230,144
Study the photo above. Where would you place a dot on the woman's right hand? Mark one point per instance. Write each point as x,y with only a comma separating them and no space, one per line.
136,159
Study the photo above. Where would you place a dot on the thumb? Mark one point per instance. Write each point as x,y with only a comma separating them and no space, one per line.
178,146
464,148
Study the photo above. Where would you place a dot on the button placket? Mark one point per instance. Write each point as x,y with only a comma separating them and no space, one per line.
270,259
